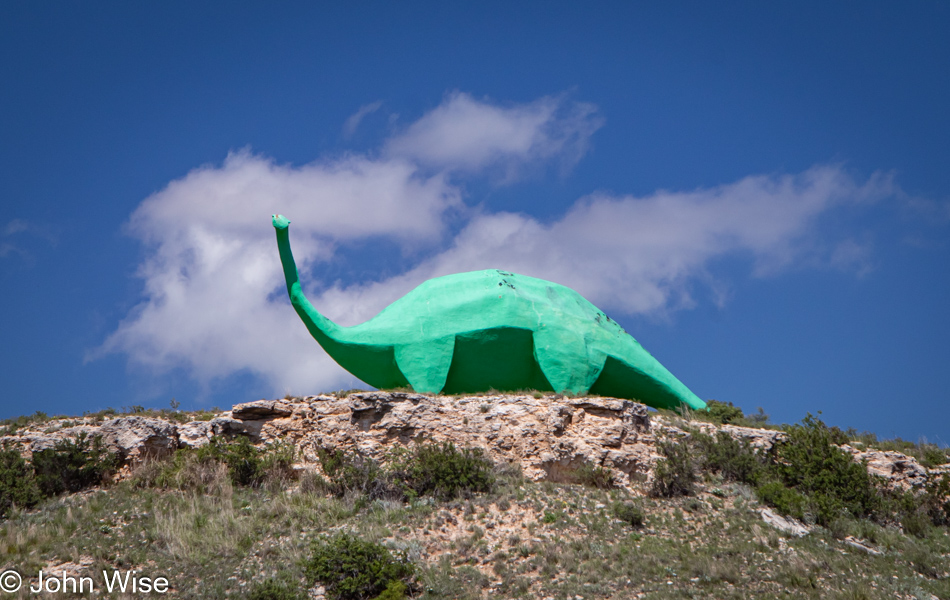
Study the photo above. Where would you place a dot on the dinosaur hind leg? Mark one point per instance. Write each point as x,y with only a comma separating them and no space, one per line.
566,360
426,364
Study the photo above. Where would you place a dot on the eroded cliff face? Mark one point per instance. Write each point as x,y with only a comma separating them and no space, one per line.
550,437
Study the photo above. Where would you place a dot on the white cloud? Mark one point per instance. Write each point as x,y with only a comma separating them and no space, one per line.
212,270
645,255
213,289
464,134
15,226
214,301
352,123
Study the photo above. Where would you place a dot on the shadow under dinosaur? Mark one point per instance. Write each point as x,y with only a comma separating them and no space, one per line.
490,330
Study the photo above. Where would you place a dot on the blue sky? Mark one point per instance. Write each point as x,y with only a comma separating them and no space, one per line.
758,192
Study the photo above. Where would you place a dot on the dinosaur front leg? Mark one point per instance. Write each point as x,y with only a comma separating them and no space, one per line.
426,364
569,364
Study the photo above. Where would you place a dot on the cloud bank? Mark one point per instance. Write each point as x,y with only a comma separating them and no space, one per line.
214,301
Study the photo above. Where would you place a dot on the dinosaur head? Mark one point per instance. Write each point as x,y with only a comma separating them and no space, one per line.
280,221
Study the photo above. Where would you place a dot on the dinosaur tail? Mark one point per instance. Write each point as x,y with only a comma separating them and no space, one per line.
323,329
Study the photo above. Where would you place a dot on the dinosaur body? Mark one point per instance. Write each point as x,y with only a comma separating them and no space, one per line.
472,332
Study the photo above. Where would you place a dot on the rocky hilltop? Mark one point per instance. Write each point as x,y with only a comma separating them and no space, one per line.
550,437
590,498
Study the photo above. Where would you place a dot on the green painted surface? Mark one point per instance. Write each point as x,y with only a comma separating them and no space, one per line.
472,332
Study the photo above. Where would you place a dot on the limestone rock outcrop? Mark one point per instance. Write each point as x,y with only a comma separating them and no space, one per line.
550,437
898,469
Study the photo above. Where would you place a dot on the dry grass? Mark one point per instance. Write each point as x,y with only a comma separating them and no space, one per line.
524,540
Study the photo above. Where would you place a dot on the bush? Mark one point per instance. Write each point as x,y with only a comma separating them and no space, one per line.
248,465
595,477
734,459
356,474
186,470
786,501
723,412
444,471
396,590
937,500
629,513
202,469
439,470
810,462
17,485
354,569
72,465
673,475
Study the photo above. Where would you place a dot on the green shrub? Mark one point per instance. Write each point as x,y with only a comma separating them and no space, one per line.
938,499
17,485
277,588
735,459
396,590
786,501
439,470
673,475
444,471
354,569
185,470
355,474
72,465
629,513
723,412
595,477
810,462
248,465
201,469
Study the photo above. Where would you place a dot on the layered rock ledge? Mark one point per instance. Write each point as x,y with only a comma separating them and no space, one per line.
550,437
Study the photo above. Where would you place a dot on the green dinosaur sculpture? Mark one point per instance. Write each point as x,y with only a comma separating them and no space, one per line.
483,330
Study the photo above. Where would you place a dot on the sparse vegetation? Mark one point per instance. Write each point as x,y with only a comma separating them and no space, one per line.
437,521
277,588
629,513
427,469
674,475
593,476
201,469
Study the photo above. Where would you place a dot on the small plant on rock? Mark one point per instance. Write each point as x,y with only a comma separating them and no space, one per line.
723,412
595,477
673,475
629,513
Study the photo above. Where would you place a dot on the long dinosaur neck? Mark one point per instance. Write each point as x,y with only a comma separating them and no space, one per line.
320,327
